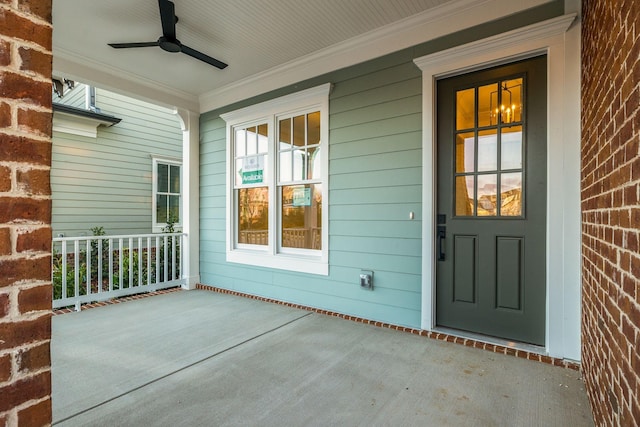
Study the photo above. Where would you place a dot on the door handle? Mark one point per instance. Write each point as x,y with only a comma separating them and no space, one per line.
441,236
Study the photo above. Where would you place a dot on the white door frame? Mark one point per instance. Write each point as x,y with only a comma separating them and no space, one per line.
563,166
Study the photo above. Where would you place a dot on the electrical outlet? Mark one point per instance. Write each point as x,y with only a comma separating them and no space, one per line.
366,279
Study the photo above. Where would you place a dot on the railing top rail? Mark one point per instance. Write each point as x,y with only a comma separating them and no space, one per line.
121,236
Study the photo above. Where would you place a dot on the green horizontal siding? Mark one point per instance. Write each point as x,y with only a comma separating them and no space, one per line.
375,175
106,181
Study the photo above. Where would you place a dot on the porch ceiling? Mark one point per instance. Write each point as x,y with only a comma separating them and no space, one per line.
252,36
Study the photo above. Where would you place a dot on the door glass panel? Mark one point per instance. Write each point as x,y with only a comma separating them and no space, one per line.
511,194
487,150
487,195
487,103
465,109
253,215
465,152
511,155
465,205
511,102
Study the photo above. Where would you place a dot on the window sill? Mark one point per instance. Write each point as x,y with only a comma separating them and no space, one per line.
297,263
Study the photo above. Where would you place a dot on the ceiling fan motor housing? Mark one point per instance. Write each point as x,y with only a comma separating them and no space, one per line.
169,45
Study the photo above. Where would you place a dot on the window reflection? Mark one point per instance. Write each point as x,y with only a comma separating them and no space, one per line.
301,216
465,198
486,115
511,156
465,109
489,149
487,195
511,194
253,215
465,152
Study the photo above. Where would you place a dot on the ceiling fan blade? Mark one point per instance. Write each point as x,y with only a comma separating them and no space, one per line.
128,45
168,18
202,57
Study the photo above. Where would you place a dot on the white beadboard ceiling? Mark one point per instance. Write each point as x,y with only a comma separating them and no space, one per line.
253,36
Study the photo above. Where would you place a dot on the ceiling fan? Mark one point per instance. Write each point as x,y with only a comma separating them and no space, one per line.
168,40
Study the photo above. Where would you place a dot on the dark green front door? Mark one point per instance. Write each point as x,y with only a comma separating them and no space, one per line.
491,232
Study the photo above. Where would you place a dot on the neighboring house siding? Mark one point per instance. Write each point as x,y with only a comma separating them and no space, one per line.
374,181
75,97
107,181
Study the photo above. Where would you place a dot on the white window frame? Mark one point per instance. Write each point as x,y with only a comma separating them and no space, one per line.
155,161
271,255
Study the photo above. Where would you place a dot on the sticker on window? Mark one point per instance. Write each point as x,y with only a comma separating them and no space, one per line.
252,170
302,196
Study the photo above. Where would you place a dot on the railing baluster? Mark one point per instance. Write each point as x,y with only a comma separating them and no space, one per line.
110,249
76,271
130,262
173,257
88,256
120,258
148,260
64,270
76,267
140,261
158,279
99,256
165,261
181,239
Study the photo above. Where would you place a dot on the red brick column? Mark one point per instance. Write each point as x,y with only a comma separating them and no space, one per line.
25,212
611,210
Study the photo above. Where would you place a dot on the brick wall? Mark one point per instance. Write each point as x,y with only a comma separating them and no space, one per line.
610,209
25,212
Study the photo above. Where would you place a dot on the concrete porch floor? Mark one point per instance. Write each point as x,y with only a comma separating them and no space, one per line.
203,358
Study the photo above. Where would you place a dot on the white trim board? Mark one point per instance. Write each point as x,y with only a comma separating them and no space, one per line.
563,156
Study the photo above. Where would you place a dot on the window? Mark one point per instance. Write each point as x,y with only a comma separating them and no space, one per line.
276,183
167,193
489,147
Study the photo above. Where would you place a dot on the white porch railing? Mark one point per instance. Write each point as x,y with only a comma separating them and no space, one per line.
309,238
98,268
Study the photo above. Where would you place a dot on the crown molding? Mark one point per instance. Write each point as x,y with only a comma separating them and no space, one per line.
500,42
437,22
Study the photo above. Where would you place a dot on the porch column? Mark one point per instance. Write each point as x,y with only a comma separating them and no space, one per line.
190,123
